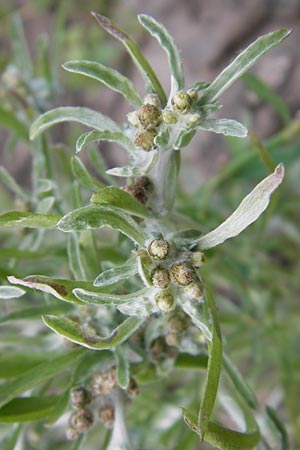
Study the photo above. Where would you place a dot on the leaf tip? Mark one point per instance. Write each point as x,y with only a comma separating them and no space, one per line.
108,26
279,172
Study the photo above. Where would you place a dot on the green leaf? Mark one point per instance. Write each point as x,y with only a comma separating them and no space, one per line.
93,217
237,379
83,176
34,312
74,332
75,257
136,55
188,361
27,409
223,126
249,210
157,30
123,374
8,292
97,298
242,63
21,54
224,438
183,138
28,220
80,442
14,364
116,274
127,171
273,417
58,408
106,135
265,93
110,77
119,198
42,372
213,368
11,183
85,116
59,288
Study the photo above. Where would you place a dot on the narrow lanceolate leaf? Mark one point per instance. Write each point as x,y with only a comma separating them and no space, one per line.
85,116
157,30
115,196
116,274
10,440
224,438
213,369
242,63
123,374
42,372
135,53
35,312
8,292
94,298
59,288
83,176
249,210
90,217
223,126
106,135
74,256
110,77
28,220
74,332
27,409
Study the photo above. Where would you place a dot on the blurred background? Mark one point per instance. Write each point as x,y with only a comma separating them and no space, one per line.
256,277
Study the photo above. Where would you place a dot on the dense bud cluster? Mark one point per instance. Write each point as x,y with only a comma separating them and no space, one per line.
144,139
165,301
159,249
139,189
160,277
149,116
80,397
182,101
104,383
182,273
106,415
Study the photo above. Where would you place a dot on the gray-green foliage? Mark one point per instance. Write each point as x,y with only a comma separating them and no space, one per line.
134,293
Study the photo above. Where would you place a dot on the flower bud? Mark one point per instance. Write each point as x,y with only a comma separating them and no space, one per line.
150,116
165,301
177,324
104,383
132,389
107,415
193,94
145,139
158,347
159,249
133,119
80,397
71,434
194,290
182,273
197,259
172,340
193,119
160,277
182,101
169,117
82,420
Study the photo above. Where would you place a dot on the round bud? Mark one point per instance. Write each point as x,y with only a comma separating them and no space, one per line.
182,101
150,116
193,119
133,119
194,290
80,397
82,420
152,99
172,340
182,273
160,277
176,324
158,347
145,139
169,117
165,301
104,383
197,259
107,415
159,249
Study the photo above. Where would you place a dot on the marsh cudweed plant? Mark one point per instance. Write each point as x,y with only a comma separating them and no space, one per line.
149,310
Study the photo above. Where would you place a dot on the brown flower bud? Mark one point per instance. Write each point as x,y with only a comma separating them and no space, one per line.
82,420
104,383
194,290
150,116
160,277
80,397
159,249
107,415
182,273
177,324
145,139
158,347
